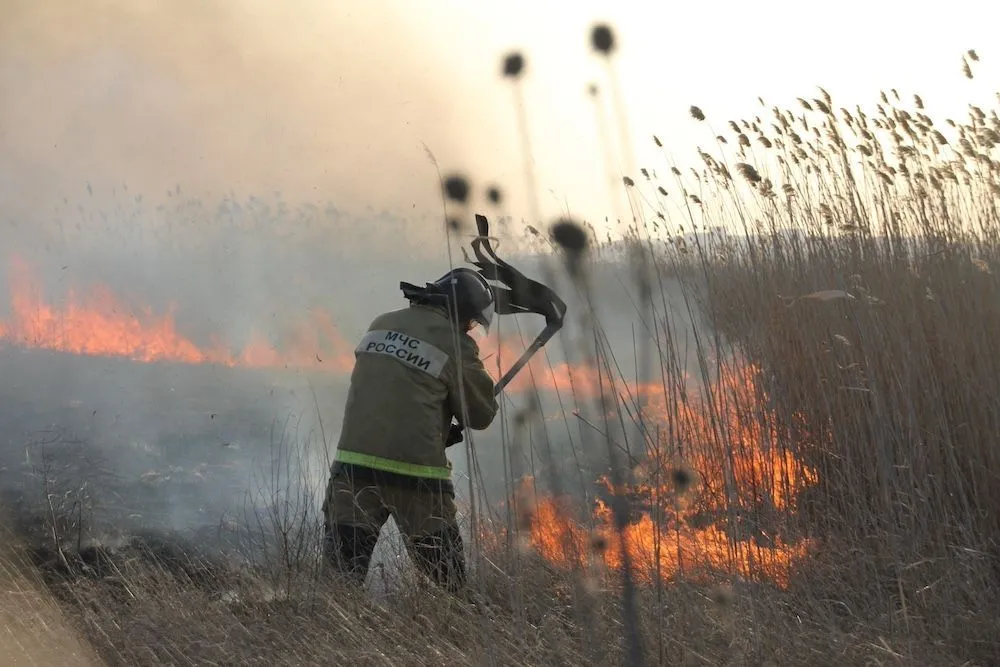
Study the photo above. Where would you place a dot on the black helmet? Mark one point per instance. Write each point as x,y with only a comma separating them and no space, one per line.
474,296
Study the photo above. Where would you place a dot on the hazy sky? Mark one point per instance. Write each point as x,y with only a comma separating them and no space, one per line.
328,100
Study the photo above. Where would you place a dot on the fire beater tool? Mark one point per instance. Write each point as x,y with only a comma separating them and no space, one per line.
516,294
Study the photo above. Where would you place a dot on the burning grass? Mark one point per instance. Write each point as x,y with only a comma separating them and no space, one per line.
99,324
707,500
813,481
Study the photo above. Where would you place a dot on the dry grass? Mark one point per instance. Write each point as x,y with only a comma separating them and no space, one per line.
137,608
859,273
874,327
35,628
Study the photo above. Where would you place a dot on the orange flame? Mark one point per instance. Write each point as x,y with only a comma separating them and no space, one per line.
727,521
100,325
580,380
727,440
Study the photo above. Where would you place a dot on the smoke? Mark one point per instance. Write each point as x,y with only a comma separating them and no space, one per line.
242,166
239,165
248,162
109,102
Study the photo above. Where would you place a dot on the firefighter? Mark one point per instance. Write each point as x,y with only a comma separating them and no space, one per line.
416,370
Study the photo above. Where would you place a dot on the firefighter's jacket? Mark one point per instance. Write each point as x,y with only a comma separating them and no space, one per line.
405,389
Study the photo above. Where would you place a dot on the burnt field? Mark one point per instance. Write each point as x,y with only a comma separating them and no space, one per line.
123,446
766,435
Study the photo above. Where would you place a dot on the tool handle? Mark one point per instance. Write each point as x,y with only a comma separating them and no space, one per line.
455,435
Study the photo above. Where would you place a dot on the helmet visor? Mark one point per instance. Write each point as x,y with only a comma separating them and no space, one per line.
486,316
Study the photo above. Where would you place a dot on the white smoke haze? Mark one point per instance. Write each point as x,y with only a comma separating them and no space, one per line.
243,167
251,98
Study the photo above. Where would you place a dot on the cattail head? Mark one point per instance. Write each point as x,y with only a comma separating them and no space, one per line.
570,236
681,476
513,65
602,39
494,195
456,188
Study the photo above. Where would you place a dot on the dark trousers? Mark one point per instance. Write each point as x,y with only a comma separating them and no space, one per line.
360,500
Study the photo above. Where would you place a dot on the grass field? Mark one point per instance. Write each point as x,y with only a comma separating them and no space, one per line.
817,489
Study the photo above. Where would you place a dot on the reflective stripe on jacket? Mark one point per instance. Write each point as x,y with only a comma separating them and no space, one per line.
405,390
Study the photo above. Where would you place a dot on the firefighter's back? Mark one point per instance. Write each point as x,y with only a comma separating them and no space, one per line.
397,416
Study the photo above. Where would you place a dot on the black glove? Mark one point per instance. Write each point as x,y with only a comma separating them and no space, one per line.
454,435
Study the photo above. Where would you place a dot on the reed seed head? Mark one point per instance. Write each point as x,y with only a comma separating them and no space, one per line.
697,113
456,188
569,235
513,65
602,39
494,195
748,172
682,478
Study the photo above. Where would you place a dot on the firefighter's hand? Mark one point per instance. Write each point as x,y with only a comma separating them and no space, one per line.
454,435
